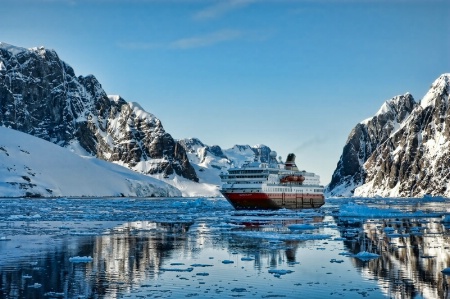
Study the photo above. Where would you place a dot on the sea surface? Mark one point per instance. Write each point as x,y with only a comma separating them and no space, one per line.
202,248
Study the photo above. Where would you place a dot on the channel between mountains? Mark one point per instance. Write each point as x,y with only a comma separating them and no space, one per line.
403,150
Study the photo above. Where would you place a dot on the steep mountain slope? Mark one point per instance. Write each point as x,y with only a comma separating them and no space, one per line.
363,140
31,166
402,151
415,159
210,161
40,95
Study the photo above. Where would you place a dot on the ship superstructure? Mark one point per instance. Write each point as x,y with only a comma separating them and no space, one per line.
273,185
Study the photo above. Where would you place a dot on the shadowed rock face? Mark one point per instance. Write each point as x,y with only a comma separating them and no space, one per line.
415,160
402,151
40,95
364,140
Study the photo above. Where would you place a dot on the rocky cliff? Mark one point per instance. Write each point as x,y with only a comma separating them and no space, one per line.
401,151
41,95
33,167
363,140
415,159
210,161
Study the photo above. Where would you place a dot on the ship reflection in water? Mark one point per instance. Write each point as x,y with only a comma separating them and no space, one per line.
205,249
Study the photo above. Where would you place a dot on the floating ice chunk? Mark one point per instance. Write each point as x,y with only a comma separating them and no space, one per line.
177,269
83,233
54,295
26,276
81,259
239,290
433,198
224,225
354,210
301,227
227,262
4,239
365,256
278,273
336,261
20,217
35,285
339,239
397,235
247,259
281,272
274,237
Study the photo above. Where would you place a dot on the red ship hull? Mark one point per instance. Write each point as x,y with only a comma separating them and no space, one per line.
273,201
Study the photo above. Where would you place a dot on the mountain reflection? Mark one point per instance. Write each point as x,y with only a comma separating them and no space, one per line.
130,254
123,258
413,252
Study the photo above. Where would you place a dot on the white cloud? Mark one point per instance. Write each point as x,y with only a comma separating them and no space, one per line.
206,40
221,8
200,41
139,45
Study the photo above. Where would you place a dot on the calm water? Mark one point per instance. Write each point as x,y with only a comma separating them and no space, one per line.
202,248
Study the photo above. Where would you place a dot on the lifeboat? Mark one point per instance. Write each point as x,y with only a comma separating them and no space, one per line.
292,179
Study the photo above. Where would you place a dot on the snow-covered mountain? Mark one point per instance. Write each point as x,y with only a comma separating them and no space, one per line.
210,161
40,95
402,151
363,140
31,166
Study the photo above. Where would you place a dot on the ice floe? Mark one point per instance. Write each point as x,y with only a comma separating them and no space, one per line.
365,256
81,259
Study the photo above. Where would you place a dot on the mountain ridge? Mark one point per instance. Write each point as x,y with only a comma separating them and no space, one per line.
40,95
33,167
395,165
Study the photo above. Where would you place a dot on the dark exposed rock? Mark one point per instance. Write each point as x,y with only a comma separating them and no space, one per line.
210,161
363,140
217,151
415,160
40,95
262,153
402,151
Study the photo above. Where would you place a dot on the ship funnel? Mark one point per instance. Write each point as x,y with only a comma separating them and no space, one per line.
290,162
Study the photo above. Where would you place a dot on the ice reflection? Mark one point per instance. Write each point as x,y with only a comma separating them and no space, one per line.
202,248
413,252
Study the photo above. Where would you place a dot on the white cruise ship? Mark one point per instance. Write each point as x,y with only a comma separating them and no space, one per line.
272,185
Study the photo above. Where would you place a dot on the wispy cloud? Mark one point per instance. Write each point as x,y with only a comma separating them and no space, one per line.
139,45
206,40
221,7
201,41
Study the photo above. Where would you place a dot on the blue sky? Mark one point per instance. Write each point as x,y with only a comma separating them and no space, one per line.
295,75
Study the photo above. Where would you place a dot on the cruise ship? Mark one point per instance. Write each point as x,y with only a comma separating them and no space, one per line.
271,186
